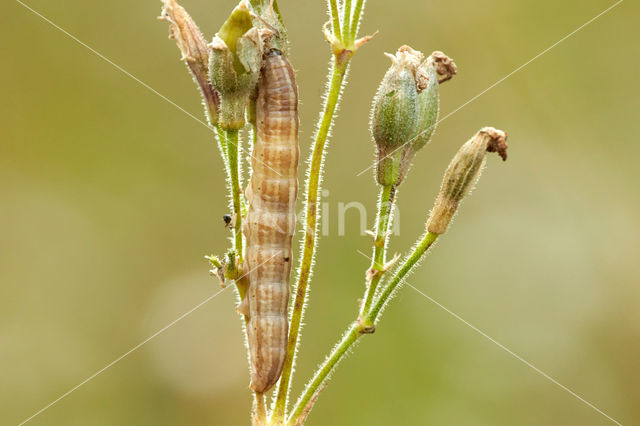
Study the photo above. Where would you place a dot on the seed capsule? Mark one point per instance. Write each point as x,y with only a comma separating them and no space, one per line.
395,105
405,110
195,52
462,173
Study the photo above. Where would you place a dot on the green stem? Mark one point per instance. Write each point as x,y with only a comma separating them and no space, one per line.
385,295
234,172
346,21
349,337
228,141
335,17
355,21
357,329
338,72
378,263
222,145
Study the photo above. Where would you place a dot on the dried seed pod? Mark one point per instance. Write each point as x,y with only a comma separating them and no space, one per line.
462,173
195,52
270,221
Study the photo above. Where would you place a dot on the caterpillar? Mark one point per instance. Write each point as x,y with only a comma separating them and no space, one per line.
270,221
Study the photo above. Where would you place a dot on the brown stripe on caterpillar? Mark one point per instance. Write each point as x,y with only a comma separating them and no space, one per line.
270,220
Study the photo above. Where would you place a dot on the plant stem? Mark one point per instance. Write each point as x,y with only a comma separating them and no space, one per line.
335,17
222,145
228,141
260,410
349,337
234,173
339,68
357,329
346,21
355,21
378,263
385,295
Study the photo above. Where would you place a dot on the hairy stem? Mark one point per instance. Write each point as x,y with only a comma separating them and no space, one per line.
234,173
355,20
346,21
228,141
357,329
339,68
338,72
335,17
378,263
222,145
385,295
349,337
260,410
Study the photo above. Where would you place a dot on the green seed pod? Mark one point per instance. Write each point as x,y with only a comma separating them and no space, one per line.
195,52
395,105
222,67
405,111
427,114
462,173
394,116
235,64
428,106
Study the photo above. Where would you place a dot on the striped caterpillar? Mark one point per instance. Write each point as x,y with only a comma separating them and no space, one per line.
270,221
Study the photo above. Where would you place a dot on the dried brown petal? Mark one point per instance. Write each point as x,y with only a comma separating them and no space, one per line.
498,142
444,65
194,49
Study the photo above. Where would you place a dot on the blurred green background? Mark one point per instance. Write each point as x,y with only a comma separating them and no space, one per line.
110,197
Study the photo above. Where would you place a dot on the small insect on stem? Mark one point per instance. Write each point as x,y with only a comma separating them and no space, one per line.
270,221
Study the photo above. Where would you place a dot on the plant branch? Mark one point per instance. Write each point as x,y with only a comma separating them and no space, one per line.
232,139
346,20
335,17
222,146
339,67
338,73
260,410
378,263
385,295
355,20
323,373
357,329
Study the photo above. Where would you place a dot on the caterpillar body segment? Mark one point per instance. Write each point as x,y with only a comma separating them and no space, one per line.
270,221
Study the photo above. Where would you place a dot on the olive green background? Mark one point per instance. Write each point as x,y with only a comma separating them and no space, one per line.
110,196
